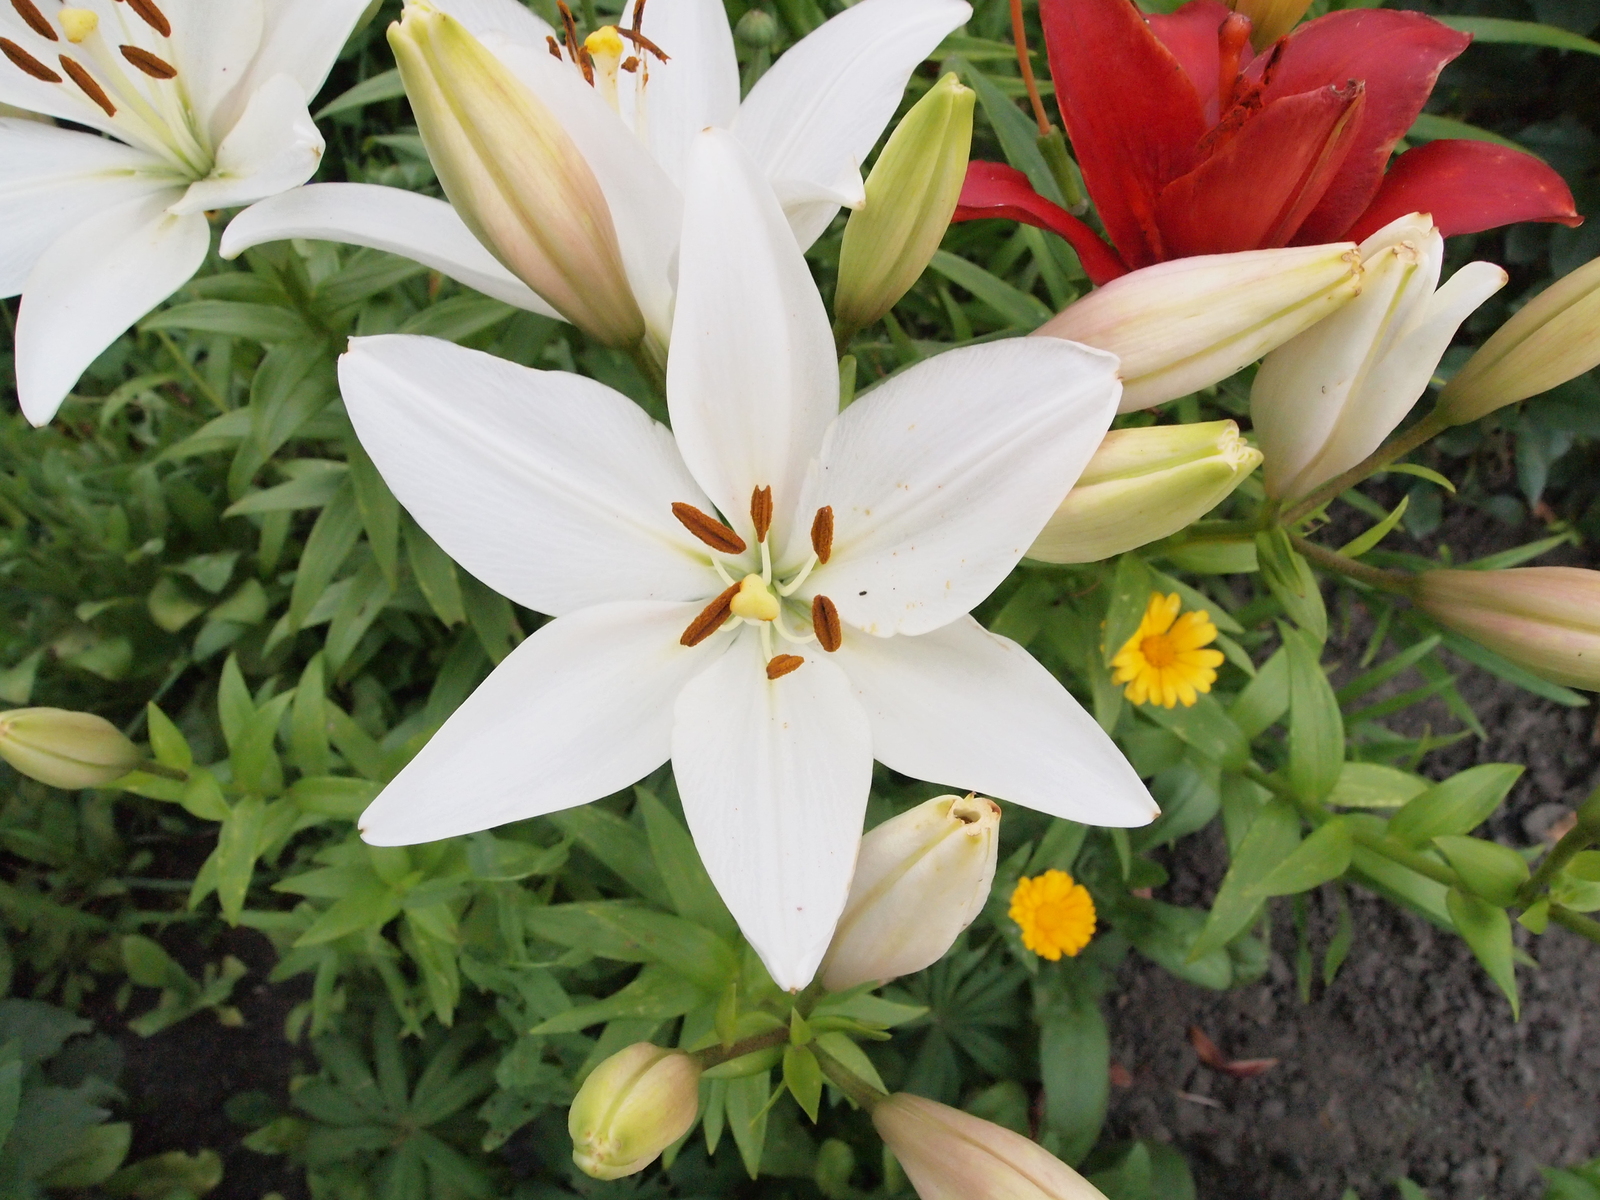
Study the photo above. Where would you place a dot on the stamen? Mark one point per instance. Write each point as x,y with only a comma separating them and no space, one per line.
79,23
26,62
708,529
91,89
822,533
148,63
644,43
630,64
574,46
555,48
152,16
783,664
35,19
711,619
761,511
638,16
825,620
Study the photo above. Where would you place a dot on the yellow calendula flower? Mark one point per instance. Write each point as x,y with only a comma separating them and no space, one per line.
1055,913
1164,663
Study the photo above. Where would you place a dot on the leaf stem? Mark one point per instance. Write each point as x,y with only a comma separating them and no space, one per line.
715,1056
1579,924
1331,560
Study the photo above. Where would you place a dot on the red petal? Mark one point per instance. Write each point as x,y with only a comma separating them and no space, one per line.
996,190
1468,186
1398,55
1255,191
1132,114
1191,35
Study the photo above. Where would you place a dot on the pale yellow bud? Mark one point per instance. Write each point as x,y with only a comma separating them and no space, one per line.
1546,619
1554,338
1270,19
515,176
1143,485
631,1108
921,878
65,749
1183,325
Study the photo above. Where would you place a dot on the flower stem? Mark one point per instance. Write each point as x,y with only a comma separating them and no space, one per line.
715,1056
1425,429
1581,925
1331,560
1577,839
162,771
1019,36
847,1081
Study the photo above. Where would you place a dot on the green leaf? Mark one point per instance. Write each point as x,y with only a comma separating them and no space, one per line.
852,1056
166,743
803,1077
308,722
203,797
694,896
500,860
1385,671
331,540
1487,869
1323,856
1373,785
628,932
1264,699
380,511
1019,309
1518,555
335,796
309,489
1420,472
657,992
148,965
618,845
1271,838
371,907
1521,33
235,708
1292,582
1131,589
1019,136
1458,805
1074,1058
267,323
1431,127
1482,656
458,318
1316,727
747,1109
97,1155
254,761
1487,930
1207,727
377,88
1358,546
238,843
434,572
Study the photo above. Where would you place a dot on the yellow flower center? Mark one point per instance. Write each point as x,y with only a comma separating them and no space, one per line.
1158,650
1056,914
1165,662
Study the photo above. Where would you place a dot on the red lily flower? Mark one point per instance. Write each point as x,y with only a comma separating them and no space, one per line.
1190,143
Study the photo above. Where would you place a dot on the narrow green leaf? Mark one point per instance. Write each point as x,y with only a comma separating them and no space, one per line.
1271,838
1264,699
308,722
1207,727
747,1117
1487,869
1018,308
380,511
1323,856
1358,546
1131,589
1373,785
618,845
434,572
1487,930
1521,33
331,540
1074,1059
166,742
1431,127
803,1077
1292,582
1316,728
238,843
1457,806
384,86
694,896
1019,136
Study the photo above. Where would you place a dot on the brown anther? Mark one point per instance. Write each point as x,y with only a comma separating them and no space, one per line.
782,665
35,19
644,43
761,511
555,46
630,64
91,89
152,16
26,62
822,533
708,529
711,619
575,44
152,66
825,622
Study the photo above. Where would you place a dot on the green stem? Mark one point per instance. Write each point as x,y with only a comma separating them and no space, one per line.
714,1056
1063,170
183,362
162,771
847,1081
1331,560
1577,839
1577,922
1405,856
650,367
1430,426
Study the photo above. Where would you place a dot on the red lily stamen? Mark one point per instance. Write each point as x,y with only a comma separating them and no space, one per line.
1233,36
1019,35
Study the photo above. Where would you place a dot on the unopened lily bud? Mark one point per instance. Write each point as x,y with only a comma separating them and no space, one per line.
911,196
514,175
631,1108
65,749
1554,338
757,30
1269,19
1143,485
1325,401
1546,619
951,1155
921,878
1183,325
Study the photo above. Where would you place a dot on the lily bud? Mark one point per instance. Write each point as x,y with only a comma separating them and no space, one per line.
951,1155
1183,325
65,749
1143,485
921,878
1554,338
911,196
1269,19
1326,400
514,175
1546,619
631,1108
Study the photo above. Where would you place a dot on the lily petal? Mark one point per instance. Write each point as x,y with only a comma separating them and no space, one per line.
579,710
666,104
1191,35
941,478
997,190
504,21
302,39
813,118
751,383
93,283
213,47
18,89
965,708
551,488
420,228
274,147
774,777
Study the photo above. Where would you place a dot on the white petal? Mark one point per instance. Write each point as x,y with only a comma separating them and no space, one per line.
551,488
363,214
774,777
302,39
580,710
213,46
813,118
274,147
93,283
666,104
964,708
21,90
50,180
941,478
506,20
752,381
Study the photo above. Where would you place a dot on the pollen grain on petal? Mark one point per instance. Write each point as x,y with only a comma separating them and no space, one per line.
35,19
27,63
710,618
783,664
825,622
152,16
152,66
86,82
708,529
761,511
822,533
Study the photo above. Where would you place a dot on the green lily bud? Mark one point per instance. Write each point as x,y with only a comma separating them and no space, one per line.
1269,19
1143,485
911,196
514,175
631,1108
65,749
1554,338
757,30
1544,618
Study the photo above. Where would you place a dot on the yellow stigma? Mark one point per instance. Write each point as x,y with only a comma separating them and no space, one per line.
1164,663
604,43
1055,914
79,23
755,601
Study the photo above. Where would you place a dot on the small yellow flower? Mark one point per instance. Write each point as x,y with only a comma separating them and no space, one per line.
1163,663
1056,915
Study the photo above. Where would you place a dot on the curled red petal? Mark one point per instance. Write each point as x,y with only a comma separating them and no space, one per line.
1468,186
1190,34
997,190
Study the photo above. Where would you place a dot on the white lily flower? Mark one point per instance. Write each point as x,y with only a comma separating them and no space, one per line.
1328,398
773,653
204,105
808,124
